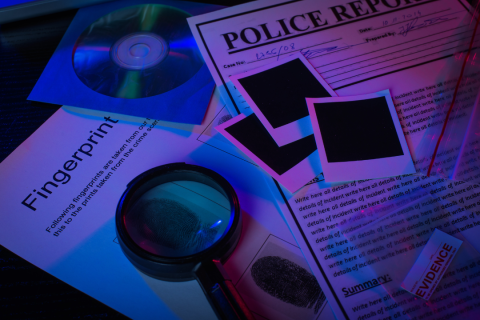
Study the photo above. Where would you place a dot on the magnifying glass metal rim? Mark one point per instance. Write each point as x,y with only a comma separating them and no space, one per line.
178,268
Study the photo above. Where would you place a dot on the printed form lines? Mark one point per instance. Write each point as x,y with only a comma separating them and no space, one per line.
395,64
275,55
399,57
426,15
390,53
397,45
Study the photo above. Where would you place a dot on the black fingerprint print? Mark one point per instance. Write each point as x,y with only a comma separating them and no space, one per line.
287,281
171,224
223,119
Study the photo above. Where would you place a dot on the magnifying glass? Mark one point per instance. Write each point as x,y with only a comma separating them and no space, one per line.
179,222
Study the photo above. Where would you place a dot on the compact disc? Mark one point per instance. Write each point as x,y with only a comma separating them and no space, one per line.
137,52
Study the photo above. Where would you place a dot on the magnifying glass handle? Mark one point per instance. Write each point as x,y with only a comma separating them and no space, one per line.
221,293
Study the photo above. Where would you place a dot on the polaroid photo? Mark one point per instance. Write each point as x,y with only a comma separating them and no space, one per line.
276,93
359,137
293,165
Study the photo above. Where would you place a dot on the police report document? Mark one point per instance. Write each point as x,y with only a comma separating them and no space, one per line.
352,45
415,49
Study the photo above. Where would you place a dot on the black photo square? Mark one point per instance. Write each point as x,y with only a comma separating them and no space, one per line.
253,136
280,92
357,130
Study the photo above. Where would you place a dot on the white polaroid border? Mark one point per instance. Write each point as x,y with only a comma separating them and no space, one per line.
362,169
294,130
293,179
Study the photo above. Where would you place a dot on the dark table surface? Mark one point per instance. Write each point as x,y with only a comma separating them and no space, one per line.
27,292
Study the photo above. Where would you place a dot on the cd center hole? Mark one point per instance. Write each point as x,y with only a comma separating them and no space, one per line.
139,50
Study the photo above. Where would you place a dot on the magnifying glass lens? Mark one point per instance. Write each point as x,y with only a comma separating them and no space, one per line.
178,222
178,218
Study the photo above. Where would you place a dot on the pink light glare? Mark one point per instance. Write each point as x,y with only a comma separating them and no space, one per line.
178,55
473,16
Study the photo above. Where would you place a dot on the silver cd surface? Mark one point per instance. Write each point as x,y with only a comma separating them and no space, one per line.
137,52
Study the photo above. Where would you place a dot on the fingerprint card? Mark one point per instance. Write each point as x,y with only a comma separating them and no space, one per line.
280,278
276,93
359,137
293,165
